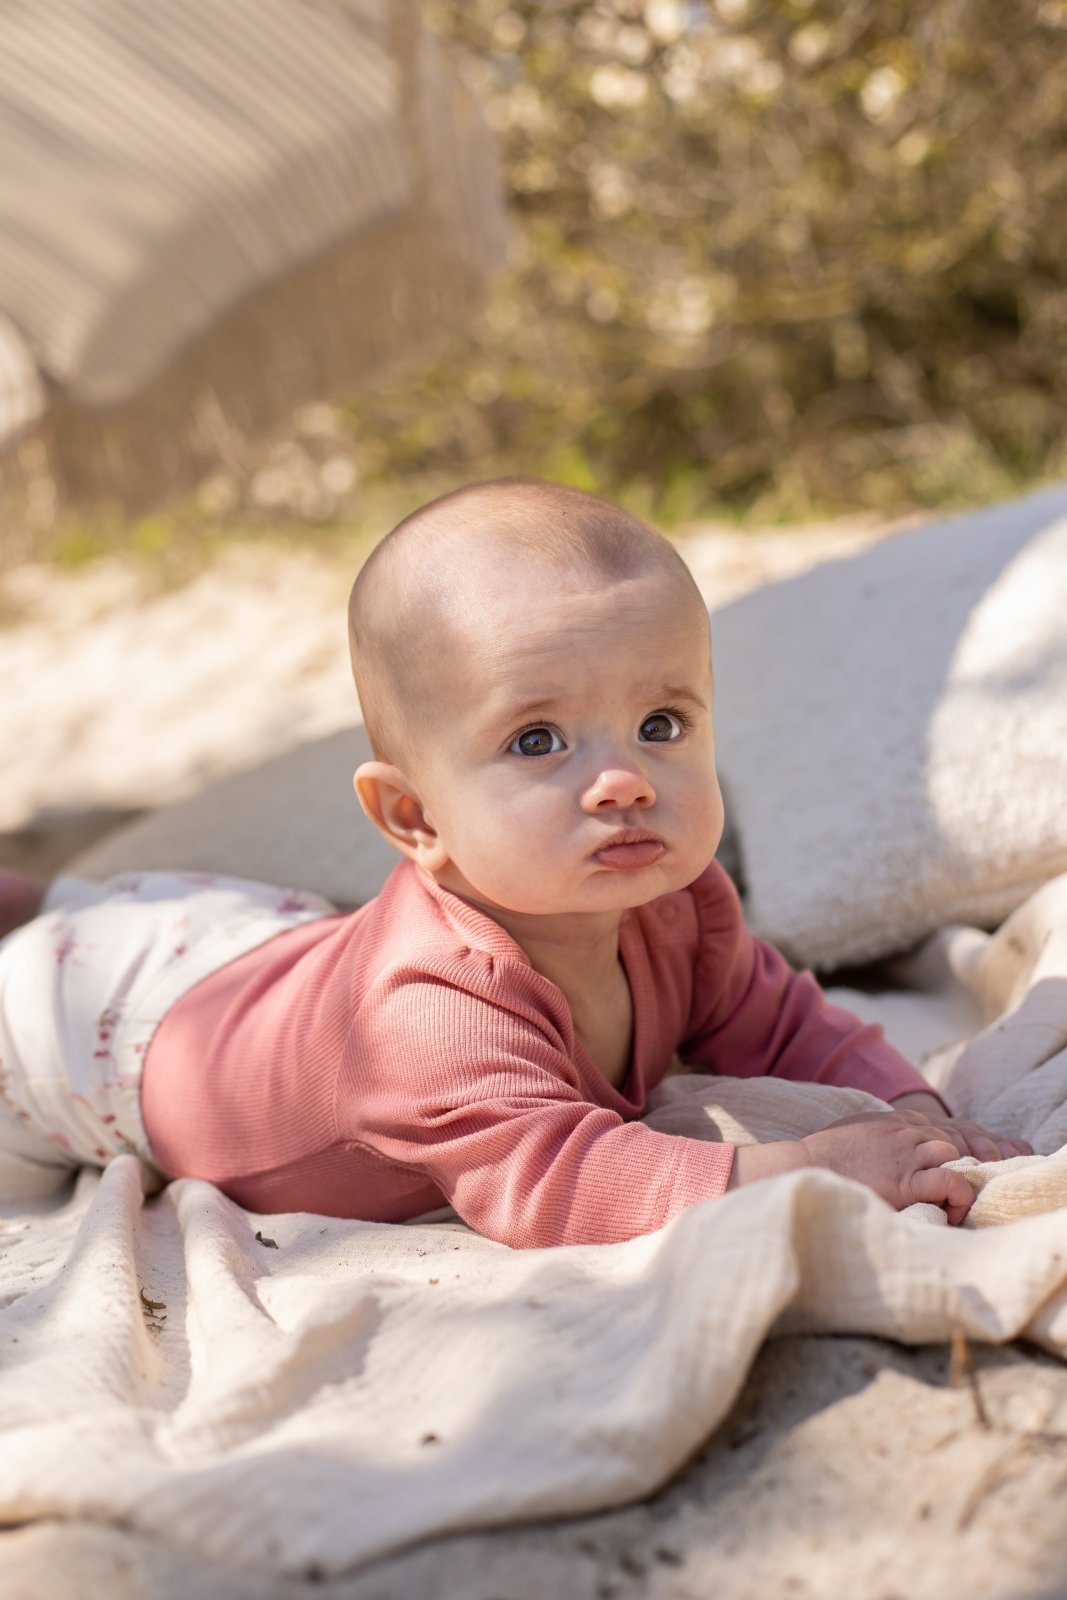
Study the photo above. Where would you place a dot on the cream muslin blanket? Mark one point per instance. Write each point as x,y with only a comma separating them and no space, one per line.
299,1394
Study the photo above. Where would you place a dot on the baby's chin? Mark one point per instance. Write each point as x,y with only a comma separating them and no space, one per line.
607,890
629,887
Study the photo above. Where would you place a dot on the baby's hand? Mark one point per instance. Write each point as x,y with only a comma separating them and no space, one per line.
898,1155
969,1138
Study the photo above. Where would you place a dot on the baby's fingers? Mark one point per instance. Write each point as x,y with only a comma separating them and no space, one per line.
949,1130
1011,1147
990,1146
940,1187
938,1148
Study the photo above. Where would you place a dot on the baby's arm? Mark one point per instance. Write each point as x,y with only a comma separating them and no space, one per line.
897,1154
470,1084
754,1016
758,1016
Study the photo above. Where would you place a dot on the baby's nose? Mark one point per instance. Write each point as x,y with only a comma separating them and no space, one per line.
619,788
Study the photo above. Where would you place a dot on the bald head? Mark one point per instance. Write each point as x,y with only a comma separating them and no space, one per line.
421,588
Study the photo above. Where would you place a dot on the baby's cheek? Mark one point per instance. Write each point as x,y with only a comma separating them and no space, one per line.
703,811
539,815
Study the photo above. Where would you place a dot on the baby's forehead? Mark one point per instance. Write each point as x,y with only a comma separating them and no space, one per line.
505,597
544,634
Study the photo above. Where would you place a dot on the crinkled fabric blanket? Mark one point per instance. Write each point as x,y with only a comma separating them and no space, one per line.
294,1391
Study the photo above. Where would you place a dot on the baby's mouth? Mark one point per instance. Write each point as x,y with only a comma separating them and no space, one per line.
630,847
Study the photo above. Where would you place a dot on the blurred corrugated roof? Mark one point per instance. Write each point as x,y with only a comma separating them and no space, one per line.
166,162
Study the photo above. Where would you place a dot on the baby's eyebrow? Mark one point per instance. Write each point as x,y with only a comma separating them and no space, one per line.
520,710
545,704
666,691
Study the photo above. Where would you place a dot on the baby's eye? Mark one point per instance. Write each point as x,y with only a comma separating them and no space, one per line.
536,742
660,727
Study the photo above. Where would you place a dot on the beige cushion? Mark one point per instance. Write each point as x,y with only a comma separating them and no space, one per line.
293,821
892,733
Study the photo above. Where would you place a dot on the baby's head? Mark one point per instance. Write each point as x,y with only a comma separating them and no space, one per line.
534,669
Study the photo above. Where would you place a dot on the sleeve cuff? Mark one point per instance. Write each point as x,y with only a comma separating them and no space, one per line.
702,1173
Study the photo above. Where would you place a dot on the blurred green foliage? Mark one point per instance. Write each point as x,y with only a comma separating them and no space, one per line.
774,255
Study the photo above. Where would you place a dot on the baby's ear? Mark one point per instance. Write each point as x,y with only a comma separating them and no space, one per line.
392,803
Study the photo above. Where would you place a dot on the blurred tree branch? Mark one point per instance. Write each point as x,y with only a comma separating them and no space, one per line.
806,252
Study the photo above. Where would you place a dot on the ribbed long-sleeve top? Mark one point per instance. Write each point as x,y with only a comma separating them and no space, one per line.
407,1055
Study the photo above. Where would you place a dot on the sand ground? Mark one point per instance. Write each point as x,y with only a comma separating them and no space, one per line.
849,1468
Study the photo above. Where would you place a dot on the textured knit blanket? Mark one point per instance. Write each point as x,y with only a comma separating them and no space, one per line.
295,1392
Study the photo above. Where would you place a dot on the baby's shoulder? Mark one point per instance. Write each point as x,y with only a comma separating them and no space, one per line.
429,994
709,901
414,932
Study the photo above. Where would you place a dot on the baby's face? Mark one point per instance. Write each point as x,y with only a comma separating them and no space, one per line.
571,767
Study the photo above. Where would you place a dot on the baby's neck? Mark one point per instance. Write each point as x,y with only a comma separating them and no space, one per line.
580,955
584,963
574,951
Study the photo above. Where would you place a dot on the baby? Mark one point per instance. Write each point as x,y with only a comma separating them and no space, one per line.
535,673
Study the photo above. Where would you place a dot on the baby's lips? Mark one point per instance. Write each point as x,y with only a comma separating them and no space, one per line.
642,853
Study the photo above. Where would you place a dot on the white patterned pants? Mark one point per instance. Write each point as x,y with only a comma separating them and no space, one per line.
84,986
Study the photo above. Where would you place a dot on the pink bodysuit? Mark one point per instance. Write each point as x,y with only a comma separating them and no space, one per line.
406,1055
